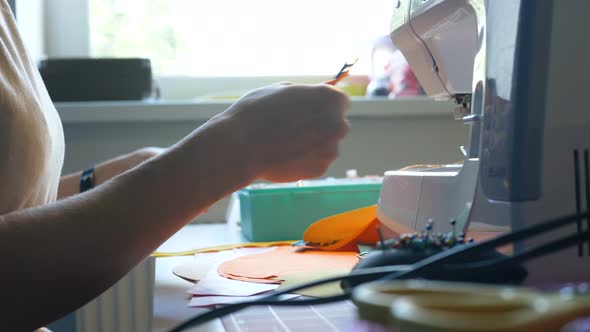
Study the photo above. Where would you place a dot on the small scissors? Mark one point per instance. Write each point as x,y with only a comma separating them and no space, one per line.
343,73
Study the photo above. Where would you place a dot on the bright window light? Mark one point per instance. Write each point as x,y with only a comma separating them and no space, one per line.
240,38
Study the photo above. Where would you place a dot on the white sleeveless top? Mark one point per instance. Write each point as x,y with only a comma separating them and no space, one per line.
31,135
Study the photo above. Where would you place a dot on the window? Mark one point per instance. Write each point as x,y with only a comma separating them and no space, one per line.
225,38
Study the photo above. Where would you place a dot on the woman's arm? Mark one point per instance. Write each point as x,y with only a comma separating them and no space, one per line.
70,184
59,256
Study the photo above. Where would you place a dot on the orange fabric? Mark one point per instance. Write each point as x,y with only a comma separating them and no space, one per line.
369,234
270,267
345,229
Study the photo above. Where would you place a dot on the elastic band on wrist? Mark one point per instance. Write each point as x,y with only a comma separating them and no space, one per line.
87,180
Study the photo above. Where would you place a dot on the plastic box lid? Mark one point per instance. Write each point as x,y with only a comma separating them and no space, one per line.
272,212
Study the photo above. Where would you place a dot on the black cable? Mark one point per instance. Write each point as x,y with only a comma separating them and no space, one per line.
525,255
587,189
528,232
548,248
578,199
354,275
272,298
420,268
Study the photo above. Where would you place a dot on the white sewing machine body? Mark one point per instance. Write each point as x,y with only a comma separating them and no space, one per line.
518,71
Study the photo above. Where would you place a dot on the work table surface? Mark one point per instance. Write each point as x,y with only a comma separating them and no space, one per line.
170,297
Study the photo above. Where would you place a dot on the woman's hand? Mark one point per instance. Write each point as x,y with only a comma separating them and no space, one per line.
290,131
70,184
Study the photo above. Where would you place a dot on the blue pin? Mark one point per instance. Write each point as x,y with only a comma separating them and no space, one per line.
429,225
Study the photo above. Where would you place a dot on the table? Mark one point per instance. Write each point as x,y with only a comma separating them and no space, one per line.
170,297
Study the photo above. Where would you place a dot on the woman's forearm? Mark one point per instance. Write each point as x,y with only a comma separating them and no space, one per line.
69,185
59,256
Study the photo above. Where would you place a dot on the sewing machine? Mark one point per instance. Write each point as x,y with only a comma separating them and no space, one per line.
518,72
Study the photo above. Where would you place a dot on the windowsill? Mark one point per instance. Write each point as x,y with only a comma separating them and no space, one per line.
202,110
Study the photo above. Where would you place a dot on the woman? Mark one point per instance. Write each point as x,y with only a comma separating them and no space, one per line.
59,254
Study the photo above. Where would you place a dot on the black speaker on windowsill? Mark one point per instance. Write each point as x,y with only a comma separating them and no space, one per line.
97,79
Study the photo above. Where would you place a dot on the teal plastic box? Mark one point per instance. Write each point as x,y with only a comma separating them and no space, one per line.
274,212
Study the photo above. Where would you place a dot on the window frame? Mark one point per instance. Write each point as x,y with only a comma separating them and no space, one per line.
67,31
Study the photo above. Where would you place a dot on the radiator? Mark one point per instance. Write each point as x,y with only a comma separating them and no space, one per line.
125,307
